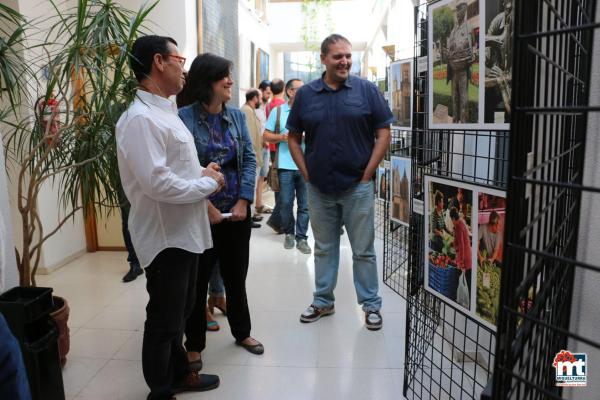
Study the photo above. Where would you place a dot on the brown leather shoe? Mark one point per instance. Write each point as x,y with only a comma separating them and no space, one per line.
195,382
218,302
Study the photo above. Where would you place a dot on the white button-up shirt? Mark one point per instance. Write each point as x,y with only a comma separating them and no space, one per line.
162,178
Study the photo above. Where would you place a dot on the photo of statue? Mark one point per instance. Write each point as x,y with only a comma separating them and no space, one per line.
400,86
454,62
498,60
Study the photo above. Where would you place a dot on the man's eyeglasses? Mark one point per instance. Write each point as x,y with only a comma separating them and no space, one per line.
178,58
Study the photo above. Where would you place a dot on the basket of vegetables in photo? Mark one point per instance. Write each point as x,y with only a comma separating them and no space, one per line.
443,275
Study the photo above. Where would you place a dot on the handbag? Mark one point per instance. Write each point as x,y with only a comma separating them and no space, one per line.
273,174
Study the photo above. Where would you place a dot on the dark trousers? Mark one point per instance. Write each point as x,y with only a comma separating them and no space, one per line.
171,282
231,248
131,256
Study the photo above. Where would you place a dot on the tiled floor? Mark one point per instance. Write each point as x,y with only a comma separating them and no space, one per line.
334,358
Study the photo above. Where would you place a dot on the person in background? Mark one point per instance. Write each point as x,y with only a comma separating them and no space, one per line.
346,125
253,101
277,87
266,94
134,264
169,225
292,185
221,136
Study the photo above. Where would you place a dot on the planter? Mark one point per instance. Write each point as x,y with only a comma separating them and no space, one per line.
60,314
27,312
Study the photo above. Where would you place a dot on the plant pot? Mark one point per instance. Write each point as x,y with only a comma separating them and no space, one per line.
60,314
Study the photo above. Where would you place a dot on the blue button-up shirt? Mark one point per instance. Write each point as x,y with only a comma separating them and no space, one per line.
339,127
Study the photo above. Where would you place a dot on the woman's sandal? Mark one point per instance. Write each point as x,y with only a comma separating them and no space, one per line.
219,302
257,349
264,210
211,324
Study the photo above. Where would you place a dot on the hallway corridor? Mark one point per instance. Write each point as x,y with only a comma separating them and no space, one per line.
334,358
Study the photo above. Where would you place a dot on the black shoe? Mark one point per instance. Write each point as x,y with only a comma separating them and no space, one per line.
195,382
257,349
134,271
257,218
255,225
277,229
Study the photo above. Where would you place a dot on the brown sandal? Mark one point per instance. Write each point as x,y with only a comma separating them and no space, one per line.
264,210
218,302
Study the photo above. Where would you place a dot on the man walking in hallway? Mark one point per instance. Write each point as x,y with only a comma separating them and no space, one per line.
291,183
255,128
346,123
168,221
277,86
261,113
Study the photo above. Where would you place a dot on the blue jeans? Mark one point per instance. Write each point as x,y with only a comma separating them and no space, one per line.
327,211
292,186
215,285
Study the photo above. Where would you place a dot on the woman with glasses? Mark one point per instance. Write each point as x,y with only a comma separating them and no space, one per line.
221,136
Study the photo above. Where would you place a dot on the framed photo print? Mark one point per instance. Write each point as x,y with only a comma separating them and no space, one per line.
400,175
454,81
464,228
498,62
400,89
262,66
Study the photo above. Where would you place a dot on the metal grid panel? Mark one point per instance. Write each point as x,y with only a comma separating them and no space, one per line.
553,51
449,355
395,236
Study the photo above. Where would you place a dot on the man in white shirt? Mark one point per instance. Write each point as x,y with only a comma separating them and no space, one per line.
168,222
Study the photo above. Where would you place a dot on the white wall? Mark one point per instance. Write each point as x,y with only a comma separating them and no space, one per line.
8,267
176,19
251,29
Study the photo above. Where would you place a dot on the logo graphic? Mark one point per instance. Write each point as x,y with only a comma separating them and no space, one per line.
571,368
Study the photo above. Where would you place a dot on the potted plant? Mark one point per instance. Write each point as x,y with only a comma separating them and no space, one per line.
66,137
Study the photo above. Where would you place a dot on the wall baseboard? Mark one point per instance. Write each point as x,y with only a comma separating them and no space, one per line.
112,248
51,268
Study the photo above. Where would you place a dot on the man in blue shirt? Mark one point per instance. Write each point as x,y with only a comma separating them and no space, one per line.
346,123
290,179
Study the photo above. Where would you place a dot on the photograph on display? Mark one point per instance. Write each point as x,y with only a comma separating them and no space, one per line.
454,63
449,231
400,200
498,60
490,232
382,184
400,87
262,66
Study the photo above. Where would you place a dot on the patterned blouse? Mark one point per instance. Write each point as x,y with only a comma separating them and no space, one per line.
221,150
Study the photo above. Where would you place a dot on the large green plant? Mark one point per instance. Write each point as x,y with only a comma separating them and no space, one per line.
12,68
87,76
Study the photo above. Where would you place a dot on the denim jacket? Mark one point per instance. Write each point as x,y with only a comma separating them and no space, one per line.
194,117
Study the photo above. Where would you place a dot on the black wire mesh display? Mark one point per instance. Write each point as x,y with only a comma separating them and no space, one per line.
395,235
449,354
552,66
